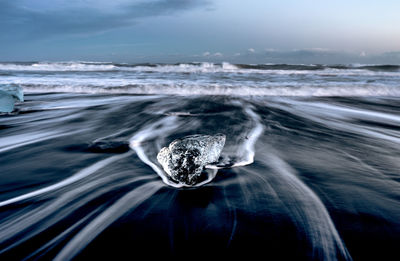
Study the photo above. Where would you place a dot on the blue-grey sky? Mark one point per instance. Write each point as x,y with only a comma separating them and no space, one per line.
201,30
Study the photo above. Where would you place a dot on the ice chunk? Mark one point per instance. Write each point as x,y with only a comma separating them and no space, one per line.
6,102
9,94
184,159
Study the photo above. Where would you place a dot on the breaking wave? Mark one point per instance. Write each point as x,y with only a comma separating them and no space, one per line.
185,67
216,89
204,79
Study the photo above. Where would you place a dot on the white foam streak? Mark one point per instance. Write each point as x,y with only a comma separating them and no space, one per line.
312,213
252,137
245,152
342,118
74,178
127,203
46,247
16,141
162,127
357,113
42,217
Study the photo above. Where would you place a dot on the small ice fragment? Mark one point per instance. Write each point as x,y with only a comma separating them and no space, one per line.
9,94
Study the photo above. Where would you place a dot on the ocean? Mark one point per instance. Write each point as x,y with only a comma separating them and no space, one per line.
310,169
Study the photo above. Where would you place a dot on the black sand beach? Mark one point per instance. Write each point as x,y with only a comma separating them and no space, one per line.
324,184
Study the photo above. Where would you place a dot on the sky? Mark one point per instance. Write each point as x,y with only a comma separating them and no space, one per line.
251,31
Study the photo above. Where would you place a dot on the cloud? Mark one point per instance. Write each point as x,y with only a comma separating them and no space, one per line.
209,54
251,50
40,18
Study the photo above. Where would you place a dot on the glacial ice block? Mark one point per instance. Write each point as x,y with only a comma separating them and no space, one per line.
9,94
184,159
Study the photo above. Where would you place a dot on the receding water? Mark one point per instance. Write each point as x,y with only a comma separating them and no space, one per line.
300,178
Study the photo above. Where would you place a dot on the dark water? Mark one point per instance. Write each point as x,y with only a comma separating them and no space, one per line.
313,178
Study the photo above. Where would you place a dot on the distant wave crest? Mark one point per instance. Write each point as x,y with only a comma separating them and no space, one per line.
182,67
179,89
